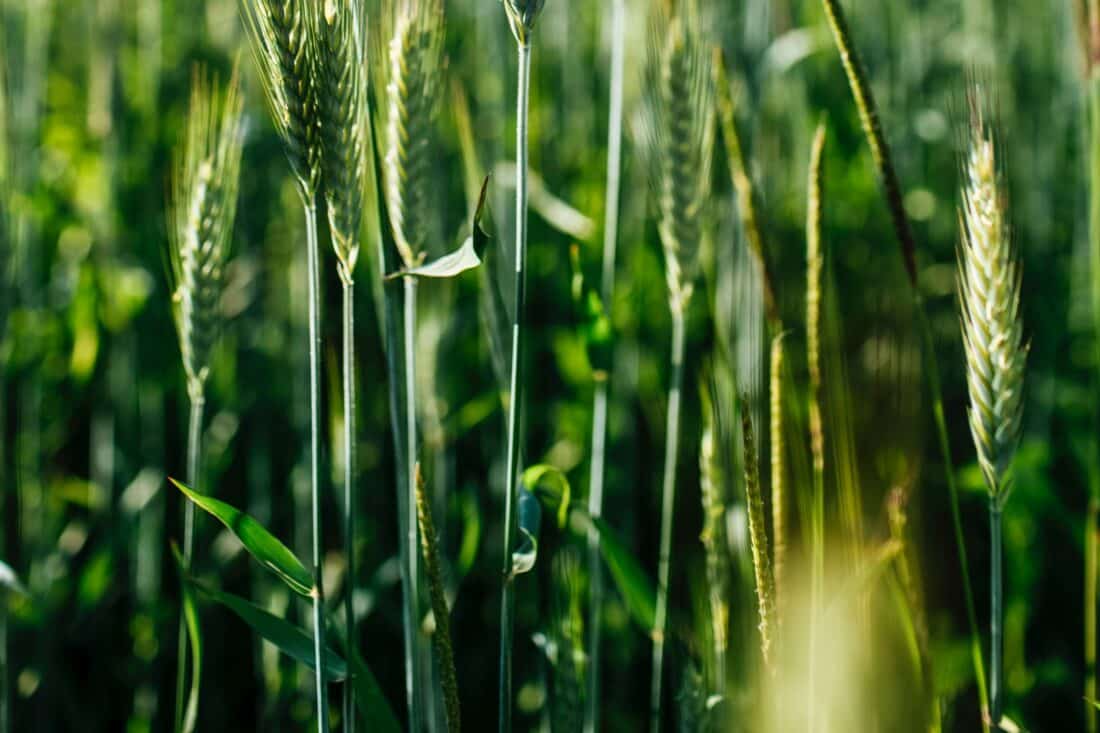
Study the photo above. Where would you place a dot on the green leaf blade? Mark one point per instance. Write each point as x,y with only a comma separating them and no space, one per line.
268,550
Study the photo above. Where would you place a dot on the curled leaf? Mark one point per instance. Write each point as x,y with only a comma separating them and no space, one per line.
550,485
529,516
466,257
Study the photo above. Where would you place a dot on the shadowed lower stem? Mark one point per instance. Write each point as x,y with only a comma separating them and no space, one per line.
194,458
599,405
996,613
313,256
668,501
349,481
515,398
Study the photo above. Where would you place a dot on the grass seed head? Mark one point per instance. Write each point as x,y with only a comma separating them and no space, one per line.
678,137
202,209
408,81
989,290
284,48
342,109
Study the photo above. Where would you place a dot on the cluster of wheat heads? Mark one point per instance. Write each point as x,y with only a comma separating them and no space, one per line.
202,209
996,353
677,130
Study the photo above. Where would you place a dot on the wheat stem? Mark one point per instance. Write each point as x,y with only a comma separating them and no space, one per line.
880,151
313,257
996,618
194,458
1092,540
411,542
515,397
348,323
668,502
600,400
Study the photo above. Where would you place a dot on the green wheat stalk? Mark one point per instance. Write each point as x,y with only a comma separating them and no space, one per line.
202,208
880,151
678,137
283,41
409,82
522,16
344,126
996,354
600,400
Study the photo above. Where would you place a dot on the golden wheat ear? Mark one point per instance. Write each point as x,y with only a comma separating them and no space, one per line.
989,299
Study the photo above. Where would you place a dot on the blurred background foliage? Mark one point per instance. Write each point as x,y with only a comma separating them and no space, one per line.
93,400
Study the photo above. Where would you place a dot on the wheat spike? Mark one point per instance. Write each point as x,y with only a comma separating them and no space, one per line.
989,288
712,479
758,536
409,82
282,43
678,137
778,471
202,208
342,108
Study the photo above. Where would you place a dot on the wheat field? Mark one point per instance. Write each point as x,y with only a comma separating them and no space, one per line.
549,365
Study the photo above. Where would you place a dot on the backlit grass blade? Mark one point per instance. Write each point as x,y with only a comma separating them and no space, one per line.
285,636
261,544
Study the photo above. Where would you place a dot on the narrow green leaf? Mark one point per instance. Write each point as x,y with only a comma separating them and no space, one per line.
287,638
260,543
529,519
633,583
194,637
551,485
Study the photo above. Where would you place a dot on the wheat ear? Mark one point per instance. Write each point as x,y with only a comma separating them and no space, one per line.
778,473
758,536
996,354
343,120
284,42
713,485
677,135
202,208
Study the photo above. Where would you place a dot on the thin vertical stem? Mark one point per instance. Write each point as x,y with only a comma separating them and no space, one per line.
599,406
411,550
996,616
880,151
194,466
313,257
515,399
1091,541
936,392
349,482
668,501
